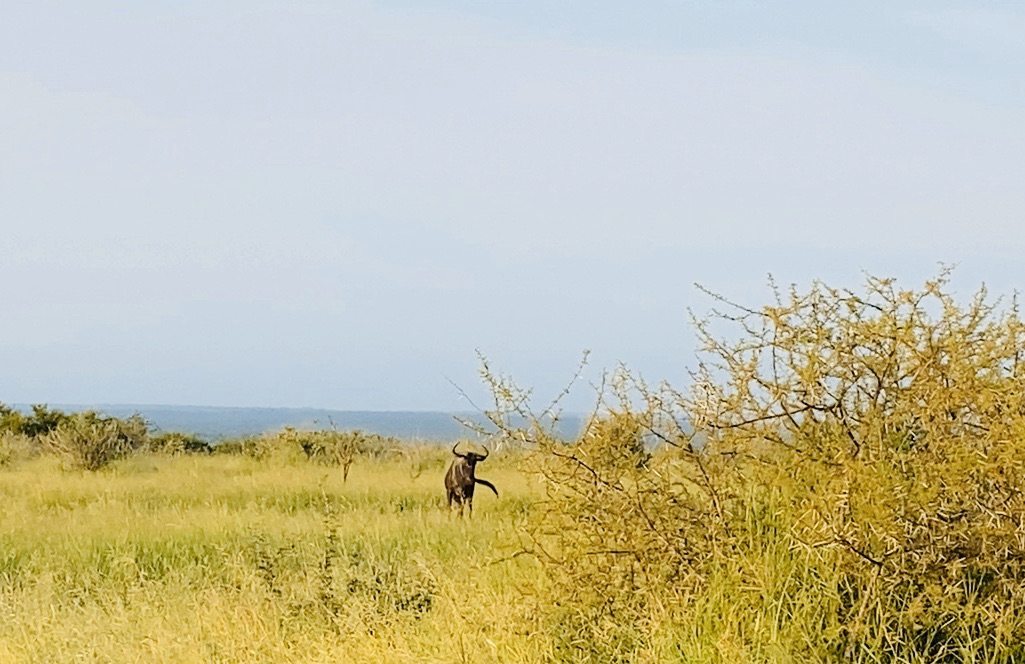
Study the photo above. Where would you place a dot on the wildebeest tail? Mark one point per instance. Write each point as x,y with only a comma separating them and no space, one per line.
487,484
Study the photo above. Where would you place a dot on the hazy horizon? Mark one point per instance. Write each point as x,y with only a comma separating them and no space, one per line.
335,205
226,422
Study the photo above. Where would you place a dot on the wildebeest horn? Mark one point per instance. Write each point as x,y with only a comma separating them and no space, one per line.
457,453
486,453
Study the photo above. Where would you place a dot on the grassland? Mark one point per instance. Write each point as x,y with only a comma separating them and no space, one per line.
230,559
857,496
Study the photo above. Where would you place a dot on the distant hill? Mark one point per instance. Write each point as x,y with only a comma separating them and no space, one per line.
218,423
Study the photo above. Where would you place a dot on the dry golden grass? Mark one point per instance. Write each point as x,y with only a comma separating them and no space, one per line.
228,559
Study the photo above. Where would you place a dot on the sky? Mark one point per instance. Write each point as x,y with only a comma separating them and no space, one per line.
337,204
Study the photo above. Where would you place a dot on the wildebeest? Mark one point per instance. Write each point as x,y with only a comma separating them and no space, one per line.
460,479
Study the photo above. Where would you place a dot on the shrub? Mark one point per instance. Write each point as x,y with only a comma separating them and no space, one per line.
88,441
237,446
42,420
11,420
335,448
270,446
176,444
844,480
895,417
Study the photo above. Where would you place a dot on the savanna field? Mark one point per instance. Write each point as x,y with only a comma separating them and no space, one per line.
225,558
843,481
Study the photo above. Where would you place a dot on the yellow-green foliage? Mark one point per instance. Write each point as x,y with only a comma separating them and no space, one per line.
844,481
895,421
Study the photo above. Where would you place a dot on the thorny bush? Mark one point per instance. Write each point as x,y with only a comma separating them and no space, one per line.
843,479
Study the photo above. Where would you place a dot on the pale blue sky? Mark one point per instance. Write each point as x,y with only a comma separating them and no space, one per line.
333,204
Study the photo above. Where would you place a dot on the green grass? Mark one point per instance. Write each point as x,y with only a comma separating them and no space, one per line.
228,559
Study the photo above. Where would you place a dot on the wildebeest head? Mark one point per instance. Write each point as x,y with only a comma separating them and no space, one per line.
472,458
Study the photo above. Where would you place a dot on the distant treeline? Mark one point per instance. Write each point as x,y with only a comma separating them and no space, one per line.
222,423
90,440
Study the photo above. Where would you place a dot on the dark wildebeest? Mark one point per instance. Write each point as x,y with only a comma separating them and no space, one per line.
460,479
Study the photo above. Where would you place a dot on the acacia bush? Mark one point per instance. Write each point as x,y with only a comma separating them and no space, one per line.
897,418
175,443
843,480
327,447
89,441
250,446
83,439
332,448
41,421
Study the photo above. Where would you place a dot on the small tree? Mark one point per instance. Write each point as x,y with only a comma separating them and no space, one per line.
333,448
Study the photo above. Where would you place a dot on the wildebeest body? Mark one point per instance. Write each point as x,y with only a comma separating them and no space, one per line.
460,479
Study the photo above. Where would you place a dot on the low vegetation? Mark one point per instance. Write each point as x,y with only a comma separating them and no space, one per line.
842,481
226,558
